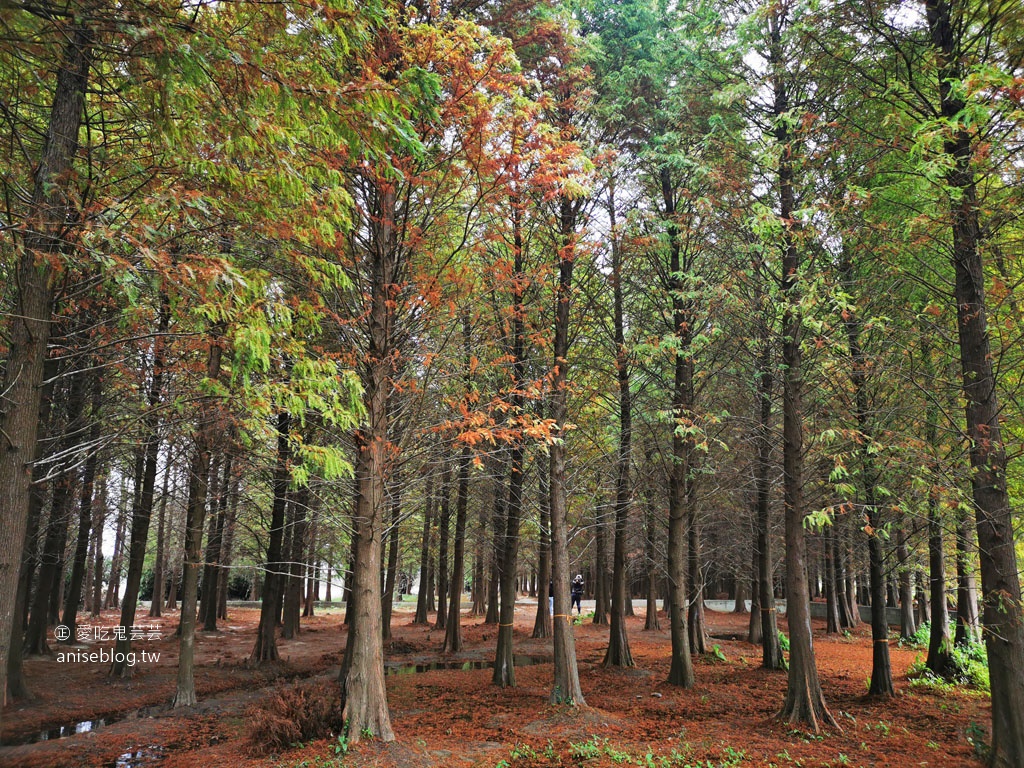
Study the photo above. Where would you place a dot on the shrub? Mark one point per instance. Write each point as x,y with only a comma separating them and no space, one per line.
294,713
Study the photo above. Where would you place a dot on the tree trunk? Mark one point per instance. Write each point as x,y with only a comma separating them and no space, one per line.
600,580
228,546
566,688
97,581
805,702
542,623
754,629
453,630
364,694
651,621
1000,580
498,523
443,531
80,564
831,601
680,483
295,568
388,594
143,511
198,480
966,586
160,565
881,667
907,624
17,688
618,653
51,563
265,648
428,514
27,328
214,545
940,648
695,617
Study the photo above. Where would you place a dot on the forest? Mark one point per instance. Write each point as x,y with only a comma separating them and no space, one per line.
338,336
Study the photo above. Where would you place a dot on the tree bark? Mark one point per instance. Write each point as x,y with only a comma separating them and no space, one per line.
1000,581
143,511
51,561
421,616
443,534
680,483
198,481
28,328
542,622
618,653
265,648
78,568
907,625
805,702
566,688
453,630
388,595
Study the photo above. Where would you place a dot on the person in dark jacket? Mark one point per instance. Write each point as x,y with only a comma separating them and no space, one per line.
577,593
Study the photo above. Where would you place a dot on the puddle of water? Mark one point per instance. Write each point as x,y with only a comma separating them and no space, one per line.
73,729
138,758
465,666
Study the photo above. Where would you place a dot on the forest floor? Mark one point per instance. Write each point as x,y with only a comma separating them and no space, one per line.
456,717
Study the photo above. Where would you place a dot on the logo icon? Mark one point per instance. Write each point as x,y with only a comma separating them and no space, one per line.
61,632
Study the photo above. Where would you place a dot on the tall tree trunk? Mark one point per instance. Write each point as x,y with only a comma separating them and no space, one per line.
112,599
453,630
428,514
51,563
695,580
143,511
680,483
479,561
364,694
542,622
97,582
881,666
1000,580
78,568
771,649
198,481
651,621
17,688
907,625
754,628
443,531
618,653
498,523
600,580
27,330
228,546
214,545
966,586
838,563
265,648
388,595
296,566
940,646
831,600
160,565
805,702
566,688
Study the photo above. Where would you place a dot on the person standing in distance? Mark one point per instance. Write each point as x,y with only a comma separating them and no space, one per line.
577,593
